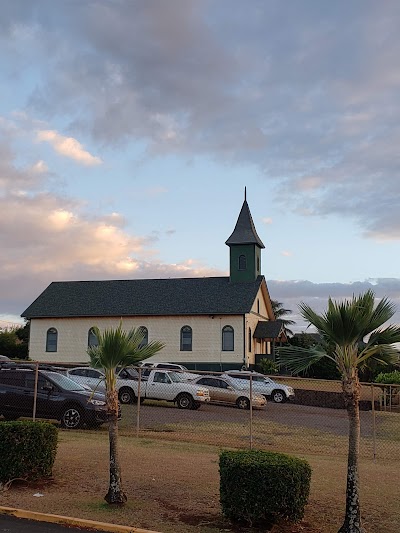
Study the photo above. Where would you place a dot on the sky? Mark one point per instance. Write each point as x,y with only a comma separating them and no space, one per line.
129,129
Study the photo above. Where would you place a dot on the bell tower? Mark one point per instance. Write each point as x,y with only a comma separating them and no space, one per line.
245,248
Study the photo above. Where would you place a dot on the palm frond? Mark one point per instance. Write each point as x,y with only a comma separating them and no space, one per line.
297,359
389,335
386,354
117,347
383,312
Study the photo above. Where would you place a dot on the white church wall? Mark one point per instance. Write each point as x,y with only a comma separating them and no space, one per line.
206,344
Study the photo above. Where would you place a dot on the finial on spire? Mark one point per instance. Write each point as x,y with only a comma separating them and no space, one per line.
245,195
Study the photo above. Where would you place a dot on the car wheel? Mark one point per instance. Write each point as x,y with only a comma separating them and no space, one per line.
184,401
278,396
126,395
72,417
243,403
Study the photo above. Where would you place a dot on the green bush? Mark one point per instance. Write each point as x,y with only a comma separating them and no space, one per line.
27,450
389,378
268,367
258,486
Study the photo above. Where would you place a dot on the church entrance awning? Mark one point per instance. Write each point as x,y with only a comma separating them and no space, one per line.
270,330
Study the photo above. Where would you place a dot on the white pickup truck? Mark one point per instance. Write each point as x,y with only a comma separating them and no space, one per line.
168,385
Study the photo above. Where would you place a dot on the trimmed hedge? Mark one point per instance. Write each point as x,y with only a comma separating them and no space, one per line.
258,486
27,450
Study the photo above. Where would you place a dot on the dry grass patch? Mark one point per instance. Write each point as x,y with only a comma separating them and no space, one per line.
173,487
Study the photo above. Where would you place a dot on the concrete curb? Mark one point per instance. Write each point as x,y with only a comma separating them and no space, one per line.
68,521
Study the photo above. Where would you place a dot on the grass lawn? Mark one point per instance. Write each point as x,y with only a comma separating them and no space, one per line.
173,487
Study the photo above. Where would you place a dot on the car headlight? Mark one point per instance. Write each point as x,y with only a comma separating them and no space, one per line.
97,402
290,389
200,392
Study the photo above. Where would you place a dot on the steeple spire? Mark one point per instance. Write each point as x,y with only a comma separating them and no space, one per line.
245,247
245,231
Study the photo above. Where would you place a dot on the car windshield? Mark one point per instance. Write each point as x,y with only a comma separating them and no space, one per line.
64,382
175,377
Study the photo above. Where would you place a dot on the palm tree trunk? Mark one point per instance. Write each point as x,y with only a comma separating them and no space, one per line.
351,391
115,494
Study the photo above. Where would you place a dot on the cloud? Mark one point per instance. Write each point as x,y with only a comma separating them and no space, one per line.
68,147
48,236
267,220
292,292
315,107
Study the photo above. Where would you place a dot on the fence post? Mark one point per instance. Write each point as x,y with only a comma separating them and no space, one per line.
35,391
373,422
138,403
251,412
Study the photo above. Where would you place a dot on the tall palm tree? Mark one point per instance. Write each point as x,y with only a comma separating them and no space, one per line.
280,312
352,334
117,348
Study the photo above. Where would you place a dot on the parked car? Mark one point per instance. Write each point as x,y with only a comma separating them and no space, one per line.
4,358
278,392
184,372
58,398
168,385
95,379
227,391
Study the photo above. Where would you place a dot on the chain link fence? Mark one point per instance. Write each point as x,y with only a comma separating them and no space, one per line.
207,408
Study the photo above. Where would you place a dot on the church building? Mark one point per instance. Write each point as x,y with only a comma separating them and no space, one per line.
214,323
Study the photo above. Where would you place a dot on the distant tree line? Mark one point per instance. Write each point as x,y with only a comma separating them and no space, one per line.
14,342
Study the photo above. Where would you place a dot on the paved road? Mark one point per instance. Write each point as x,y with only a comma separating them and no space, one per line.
10,524
334,421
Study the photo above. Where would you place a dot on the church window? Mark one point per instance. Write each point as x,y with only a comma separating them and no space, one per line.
51,340
227,339
92,338
145,332
242,262
186,339
249,339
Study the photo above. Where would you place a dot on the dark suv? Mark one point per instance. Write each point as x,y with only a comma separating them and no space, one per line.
58,398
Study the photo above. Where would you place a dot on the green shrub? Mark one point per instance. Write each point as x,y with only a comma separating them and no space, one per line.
389,378
27,450
268,367
258,486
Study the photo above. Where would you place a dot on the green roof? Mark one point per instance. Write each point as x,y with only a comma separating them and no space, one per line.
145,297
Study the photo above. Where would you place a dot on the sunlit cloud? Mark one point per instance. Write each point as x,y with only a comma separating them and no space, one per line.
68,147
267,220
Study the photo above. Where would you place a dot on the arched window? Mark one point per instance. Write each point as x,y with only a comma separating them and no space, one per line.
242,262
144,331
51,340
186,339
92,338
228,337
250,340
258,306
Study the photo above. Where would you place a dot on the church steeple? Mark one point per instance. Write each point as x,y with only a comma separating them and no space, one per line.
245,248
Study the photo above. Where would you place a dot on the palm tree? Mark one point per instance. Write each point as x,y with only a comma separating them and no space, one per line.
280,312
117,348
352,335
